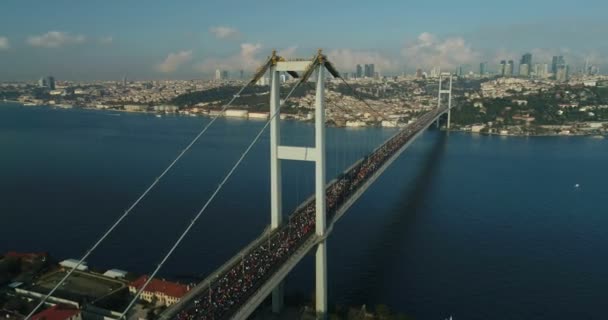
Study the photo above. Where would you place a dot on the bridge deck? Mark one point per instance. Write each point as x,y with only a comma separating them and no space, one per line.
239,286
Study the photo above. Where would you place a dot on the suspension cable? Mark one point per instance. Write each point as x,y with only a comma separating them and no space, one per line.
134,204
204,208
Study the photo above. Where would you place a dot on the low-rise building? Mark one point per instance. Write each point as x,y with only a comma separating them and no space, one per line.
73,263
58,312
115,274
161,291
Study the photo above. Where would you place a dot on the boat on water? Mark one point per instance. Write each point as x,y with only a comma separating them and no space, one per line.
29,104
159,116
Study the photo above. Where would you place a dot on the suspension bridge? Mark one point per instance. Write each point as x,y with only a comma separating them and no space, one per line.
239,286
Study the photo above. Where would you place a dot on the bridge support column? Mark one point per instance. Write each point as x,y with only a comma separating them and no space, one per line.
449,104
320,201
276,207
321,280
278,298
449,93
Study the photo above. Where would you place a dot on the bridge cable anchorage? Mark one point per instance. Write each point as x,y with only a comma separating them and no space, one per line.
137,201
204,208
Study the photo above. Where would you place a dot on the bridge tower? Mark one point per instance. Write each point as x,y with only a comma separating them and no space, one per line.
315,154
443,92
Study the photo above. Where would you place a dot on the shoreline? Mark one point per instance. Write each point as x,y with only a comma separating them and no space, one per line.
595,135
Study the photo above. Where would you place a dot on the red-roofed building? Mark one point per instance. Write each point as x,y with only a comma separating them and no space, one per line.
164,292
58,312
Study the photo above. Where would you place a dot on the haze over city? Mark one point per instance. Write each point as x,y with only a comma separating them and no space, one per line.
190,39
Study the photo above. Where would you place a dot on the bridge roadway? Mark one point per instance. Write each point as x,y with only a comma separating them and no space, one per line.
239,286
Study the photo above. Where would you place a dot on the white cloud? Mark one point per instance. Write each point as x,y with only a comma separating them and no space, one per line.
222,32
246,59
174,61
54,39
288,52
429,50
106,40
4,43
346,60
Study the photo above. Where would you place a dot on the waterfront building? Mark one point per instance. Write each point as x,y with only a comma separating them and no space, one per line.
59,312
163,292
50,82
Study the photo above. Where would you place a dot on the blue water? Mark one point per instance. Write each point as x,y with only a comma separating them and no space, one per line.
471,226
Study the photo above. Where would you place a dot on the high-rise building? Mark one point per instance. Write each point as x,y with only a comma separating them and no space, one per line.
524,70
556,62
509,69
525,65
419,73
241,74
50,81
562,73
224,75
483,68
435,72
460,71
541,70
124,80
359,71
372,71
47,82
502,68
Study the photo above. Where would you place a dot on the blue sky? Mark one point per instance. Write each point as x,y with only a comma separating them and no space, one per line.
83,40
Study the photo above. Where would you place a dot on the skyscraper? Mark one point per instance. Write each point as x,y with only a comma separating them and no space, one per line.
556,62
509,69
435,72
482,68
502,68
241,74
50,81
218,74
359,72
525,65
224,75
372,71
562,73
42,82
541,70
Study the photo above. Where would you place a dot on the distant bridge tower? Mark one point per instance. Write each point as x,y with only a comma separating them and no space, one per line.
443,92
315,154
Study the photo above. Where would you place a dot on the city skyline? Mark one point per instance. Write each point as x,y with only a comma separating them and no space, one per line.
189,40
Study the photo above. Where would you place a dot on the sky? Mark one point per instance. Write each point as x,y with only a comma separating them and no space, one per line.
190,39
